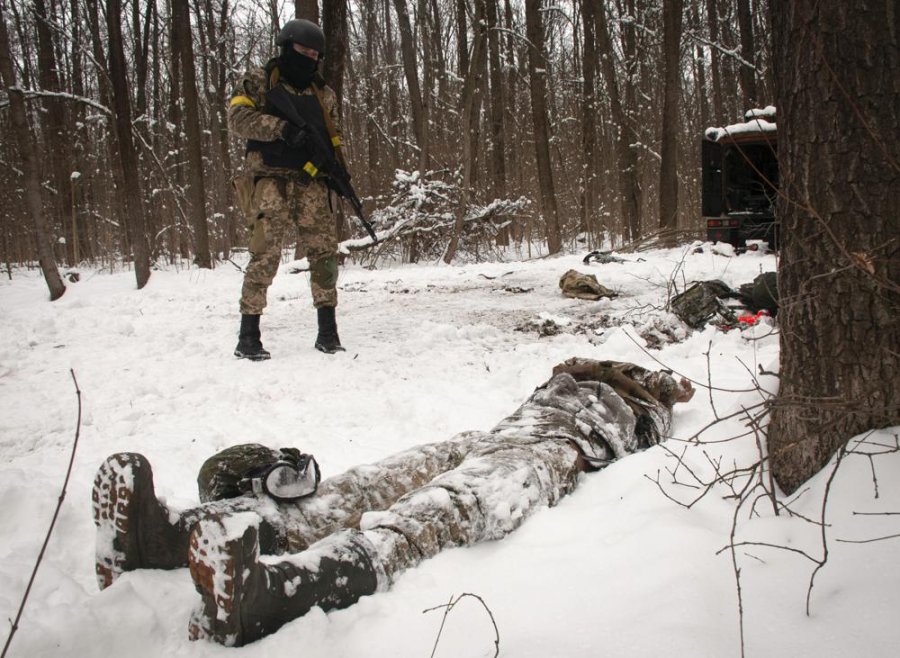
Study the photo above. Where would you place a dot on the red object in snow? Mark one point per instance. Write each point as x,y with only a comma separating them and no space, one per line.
750,320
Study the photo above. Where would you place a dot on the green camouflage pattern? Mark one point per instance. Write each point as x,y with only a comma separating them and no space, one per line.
251,122
282,205
286,209
219,475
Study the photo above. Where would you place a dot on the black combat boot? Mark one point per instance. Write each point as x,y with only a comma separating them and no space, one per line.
327,341
134,529
243,599
249,344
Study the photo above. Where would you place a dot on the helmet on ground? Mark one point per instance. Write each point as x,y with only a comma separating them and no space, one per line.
304,32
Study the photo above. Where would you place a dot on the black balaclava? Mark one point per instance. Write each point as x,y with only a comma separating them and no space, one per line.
296,68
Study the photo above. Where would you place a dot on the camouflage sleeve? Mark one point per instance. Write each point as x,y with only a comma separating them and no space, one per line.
245,110
329,98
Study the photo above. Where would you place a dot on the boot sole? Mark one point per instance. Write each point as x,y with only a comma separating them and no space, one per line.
253,357
113,503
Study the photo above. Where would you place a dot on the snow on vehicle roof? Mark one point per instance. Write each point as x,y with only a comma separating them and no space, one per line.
756,121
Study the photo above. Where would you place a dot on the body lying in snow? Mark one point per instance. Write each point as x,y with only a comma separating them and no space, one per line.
364,527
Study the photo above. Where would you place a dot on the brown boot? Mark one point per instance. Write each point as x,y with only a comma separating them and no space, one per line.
244,600
134,530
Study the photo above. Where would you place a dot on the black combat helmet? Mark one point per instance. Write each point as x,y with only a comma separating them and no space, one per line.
304,32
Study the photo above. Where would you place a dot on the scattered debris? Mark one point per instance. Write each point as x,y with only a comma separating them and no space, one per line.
602,257
762,293
584,286
517,290
703,303
542,328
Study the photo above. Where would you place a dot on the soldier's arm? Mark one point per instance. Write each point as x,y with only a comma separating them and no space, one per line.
329,98
246,118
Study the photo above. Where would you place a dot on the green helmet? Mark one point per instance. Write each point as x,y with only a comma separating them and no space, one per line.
304,32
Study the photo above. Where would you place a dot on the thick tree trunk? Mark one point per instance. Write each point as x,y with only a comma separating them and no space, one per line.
537,73
57,132
25,143
673,11
839,276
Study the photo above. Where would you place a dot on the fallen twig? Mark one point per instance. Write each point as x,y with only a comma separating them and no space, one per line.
62,496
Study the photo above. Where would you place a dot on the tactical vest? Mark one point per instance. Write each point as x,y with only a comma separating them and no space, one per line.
277,153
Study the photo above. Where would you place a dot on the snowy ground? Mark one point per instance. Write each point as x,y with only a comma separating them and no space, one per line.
617,569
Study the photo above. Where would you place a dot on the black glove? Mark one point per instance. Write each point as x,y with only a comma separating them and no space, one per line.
294,136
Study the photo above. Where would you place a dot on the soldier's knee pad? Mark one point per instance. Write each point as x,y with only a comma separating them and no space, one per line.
325,272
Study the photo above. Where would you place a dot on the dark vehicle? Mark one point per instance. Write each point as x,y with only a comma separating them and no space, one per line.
740,181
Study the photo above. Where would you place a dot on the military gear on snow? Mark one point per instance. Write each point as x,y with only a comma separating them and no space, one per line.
249,344
704,302
284,475
327,339
583,286
304,32
762,293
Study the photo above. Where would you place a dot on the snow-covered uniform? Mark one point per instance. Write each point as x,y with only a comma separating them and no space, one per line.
366,526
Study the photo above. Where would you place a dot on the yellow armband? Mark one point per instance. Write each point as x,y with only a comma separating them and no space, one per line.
242,100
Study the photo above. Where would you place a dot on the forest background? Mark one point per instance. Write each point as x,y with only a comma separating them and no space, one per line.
541,126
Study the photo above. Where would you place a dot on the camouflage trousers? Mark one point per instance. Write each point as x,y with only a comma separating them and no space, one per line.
477,486
286,209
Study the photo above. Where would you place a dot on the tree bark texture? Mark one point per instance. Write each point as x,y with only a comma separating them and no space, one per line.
537,73
411,69
181,21
626,157
748,54
838,94
673,11
27,148
131,192
308,9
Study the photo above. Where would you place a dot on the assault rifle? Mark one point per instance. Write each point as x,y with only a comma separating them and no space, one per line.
324,158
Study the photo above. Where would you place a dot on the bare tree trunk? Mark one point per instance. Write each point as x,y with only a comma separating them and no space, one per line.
748,54
25,143
498,100
469,113
411,69
588,114
57,134
334,24
626,156
839,276
673,11
537,73
131,194
181,21
712,18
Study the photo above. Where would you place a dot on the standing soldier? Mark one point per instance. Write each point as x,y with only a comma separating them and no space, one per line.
281,191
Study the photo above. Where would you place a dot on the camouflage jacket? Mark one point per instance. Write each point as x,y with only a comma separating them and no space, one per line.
248,119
